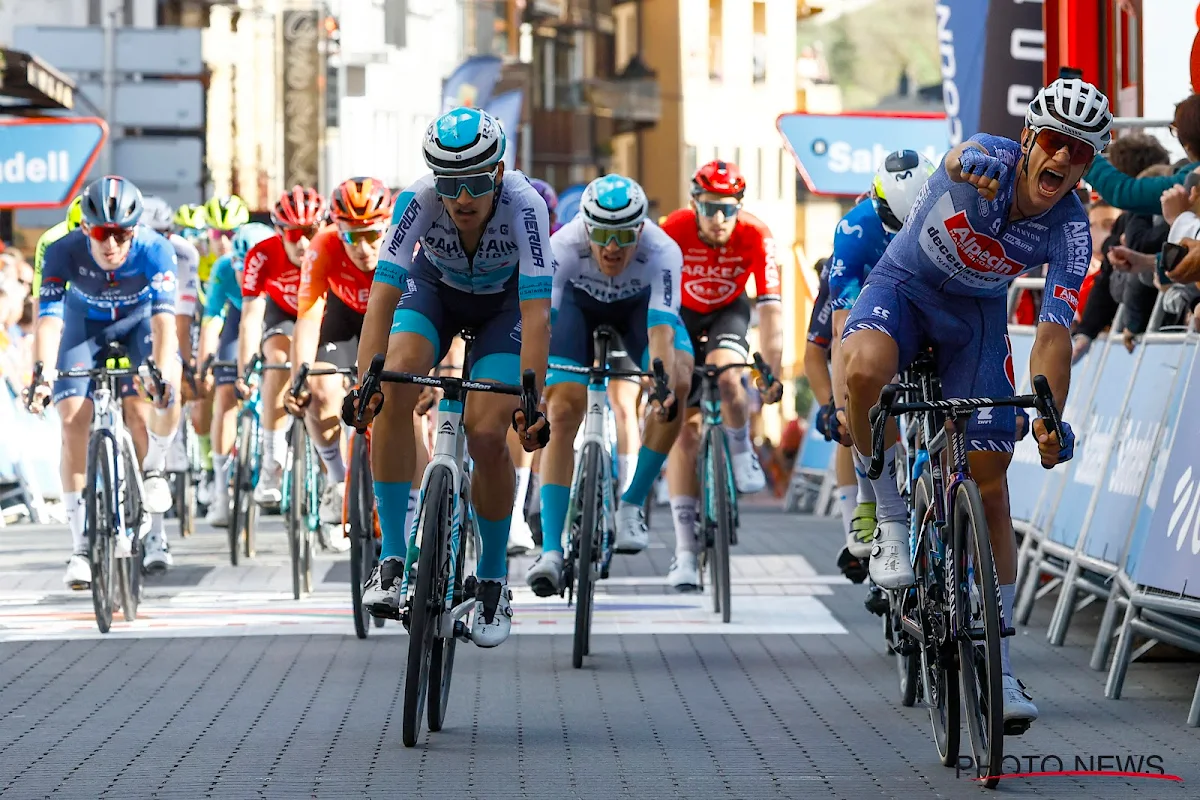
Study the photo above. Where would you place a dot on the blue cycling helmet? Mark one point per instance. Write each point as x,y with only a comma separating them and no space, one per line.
246,237
613,201
463,141
112,200
547,192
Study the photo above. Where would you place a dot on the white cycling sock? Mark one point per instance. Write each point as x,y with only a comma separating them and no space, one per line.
739,439
866,492
156,451
275,446
331,456
683,513
76,518
522,487
1008,598
626,464
889,505
221,466
847,501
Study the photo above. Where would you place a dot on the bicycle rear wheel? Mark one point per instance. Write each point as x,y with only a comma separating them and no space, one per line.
908,667
441,661
242,517
723,534
360,516
591,501
977,602
297,516
100,527
427,601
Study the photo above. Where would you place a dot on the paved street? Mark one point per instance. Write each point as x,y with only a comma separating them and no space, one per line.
226,687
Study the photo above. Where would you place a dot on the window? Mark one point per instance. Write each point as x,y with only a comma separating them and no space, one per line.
356,80
716,58
760,190
758,46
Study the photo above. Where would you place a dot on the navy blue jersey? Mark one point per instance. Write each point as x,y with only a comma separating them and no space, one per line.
73,284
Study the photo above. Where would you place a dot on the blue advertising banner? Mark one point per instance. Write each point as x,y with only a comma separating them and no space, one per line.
1159,459
815,452
1092,446
43,161
471,83
962,30
506,108
837,154
1170,554
1135,445
568,202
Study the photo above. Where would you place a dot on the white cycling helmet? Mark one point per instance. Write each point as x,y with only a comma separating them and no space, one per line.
897,184
613,201
157,213
1074,107
463,141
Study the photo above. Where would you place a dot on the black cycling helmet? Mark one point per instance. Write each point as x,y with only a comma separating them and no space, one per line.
112,200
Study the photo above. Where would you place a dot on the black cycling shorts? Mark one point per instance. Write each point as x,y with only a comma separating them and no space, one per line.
340,330
276,321
726,328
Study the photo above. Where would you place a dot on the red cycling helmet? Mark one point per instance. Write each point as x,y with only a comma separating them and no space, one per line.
361,202
300,208
719,177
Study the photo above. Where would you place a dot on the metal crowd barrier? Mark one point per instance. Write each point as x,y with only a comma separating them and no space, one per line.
29,458
811,485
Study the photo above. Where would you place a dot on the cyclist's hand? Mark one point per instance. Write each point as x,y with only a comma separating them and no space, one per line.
207,384
770,393
350,409
840,432
1022,424
241,388
37,397
531,436
295,404
1080,344
982,171
1048,445
427,400
663,408
824,417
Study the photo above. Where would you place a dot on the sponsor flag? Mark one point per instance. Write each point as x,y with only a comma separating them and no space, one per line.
471,83
506,108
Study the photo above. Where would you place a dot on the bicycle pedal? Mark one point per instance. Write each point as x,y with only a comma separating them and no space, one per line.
470,586
877,604
604,574
905,647
1016,727
1008,632
461,631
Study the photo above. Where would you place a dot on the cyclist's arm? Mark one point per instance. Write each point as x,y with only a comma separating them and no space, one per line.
837,373
213,316
250,329
535,285
51,297
310,309
1051,356
953,160
161,267
819,343
769,286
165,344
663,313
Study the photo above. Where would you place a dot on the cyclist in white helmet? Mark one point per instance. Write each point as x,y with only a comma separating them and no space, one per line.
993,210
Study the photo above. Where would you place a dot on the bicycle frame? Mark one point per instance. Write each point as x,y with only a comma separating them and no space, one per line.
710,417
108,419
596,425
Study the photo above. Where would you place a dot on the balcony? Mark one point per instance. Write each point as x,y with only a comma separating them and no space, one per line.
569,136
588,15
631,103
544,10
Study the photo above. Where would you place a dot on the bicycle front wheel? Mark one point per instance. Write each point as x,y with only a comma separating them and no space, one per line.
908,667
427,600
722,501
591,501
360,516
977,604
101,527
297,516
441,662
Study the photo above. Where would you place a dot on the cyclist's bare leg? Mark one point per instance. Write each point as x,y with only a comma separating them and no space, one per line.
661,434
322,418
623,398
274,386
682,481
75,414
734,411
488,419
520,538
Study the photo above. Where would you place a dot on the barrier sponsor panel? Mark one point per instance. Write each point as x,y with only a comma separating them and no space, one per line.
815,452
30,447
1025,475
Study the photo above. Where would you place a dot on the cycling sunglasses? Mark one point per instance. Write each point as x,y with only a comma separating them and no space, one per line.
624,237
476,185
711,209
1051,141
102,233
294,235
217,234
364,235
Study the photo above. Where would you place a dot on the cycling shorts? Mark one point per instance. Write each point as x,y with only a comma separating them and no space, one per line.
340,329
82,341
438,312
578,316
227,346
277,321
969,336
727,328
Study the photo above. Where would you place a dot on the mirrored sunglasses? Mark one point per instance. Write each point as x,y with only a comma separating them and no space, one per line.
102,233
1052,141
624,237
711,209
294,235
356,235
476,185
216,234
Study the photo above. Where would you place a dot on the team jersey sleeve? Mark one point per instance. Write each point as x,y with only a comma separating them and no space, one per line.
1068,257
536,278
217,292
850,262
666,274
188,258
160,271
566,268
55,268
411,217
820,324
313,280
254,269
768,286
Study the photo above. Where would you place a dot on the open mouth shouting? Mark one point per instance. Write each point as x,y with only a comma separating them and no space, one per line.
1050,181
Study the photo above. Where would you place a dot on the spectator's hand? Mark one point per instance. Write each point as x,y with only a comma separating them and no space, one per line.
1124,259
1175,201
1080,344
1187,270
1130,340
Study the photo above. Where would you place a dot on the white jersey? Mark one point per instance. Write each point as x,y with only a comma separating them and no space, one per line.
656,267
188,261
515,241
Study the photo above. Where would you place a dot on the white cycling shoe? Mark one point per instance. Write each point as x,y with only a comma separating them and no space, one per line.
684,575
632,536
520,537
331,503
493,613
748,474
381,594
545,575
1019,710
157,558
269,491
891,562
157,497
218,509
79,572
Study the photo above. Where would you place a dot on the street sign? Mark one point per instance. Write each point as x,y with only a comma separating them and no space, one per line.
837,154
43,161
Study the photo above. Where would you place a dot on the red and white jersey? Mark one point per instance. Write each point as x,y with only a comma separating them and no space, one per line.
269,271
713,277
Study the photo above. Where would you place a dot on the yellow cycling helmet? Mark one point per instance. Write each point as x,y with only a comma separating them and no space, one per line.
226,213
75,213
189,216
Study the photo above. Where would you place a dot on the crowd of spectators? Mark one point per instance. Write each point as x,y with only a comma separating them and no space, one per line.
18,311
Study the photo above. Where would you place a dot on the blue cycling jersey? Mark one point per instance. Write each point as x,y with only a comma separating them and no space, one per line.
222,288
73,284
858,243
960,244
820,324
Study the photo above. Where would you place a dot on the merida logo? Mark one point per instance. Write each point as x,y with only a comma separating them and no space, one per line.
1183,516
20,168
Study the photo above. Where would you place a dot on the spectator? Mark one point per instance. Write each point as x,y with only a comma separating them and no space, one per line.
1116,184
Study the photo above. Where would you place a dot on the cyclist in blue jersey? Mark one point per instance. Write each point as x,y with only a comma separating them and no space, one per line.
994,209
484,263
110,280
859,242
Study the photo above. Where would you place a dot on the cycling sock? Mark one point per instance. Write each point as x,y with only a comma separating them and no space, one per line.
649,463
156,451
221,473
206,455
158,527
410,515
1008,598
274,446
331,456
73,504
522,488
847,497
739,439
555,500
866,492
493,556
683,514
626,465
889,506
391,499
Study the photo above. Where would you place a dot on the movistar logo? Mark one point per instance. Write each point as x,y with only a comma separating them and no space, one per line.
1183,516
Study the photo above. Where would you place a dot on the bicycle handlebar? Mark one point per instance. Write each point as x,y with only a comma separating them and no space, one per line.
759,366
306,371
1042,400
